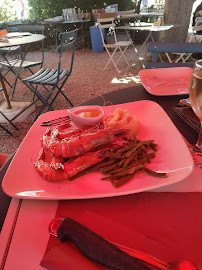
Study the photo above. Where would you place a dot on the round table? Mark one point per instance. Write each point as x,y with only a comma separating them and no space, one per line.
16,41
21,40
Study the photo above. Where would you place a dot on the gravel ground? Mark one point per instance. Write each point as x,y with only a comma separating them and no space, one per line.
87,81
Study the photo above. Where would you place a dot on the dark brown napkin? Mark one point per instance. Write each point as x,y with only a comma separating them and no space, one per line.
165,225
187,114
62,256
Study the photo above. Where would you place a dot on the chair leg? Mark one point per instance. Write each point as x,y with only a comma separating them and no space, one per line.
9,120
14,84
122,55
189,55
43,106
5,129
60,91
111,59
43,100
168,56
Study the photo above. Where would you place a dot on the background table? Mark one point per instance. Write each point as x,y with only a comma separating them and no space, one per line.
26,40
149,28
16,238
139,16
81,22
22,40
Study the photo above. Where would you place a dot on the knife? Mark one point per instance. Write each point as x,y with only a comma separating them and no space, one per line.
102,251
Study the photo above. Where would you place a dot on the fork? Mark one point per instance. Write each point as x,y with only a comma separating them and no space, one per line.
58,121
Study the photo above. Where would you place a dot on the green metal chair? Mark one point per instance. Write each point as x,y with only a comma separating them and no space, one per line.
52,80
14,63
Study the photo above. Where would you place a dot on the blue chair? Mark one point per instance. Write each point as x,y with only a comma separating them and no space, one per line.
52,80
171,47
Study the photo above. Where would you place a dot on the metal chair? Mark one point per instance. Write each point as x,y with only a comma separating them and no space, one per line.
26,63
52,80
122,46
20,61
9,52
14,50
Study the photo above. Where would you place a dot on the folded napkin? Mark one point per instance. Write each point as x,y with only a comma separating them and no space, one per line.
165,225
154,81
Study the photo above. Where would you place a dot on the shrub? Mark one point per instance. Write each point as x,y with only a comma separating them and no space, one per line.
7,11
43,9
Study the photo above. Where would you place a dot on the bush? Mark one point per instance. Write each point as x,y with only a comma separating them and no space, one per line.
7,11
43,9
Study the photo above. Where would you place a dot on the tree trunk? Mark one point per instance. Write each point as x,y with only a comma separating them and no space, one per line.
137,7
177,12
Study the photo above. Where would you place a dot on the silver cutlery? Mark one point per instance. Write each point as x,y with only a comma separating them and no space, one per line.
58,121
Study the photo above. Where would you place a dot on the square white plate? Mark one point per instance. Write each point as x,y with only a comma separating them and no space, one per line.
166,81
173,157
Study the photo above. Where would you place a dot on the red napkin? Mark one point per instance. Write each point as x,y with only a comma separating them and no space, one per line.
65,256
165,225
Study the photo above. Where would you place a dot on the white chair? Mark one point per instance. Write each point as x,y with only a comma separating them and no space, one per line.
195,37
117,46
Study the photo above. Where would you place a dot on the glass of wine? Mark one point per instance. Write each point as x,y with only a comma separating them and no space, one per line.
195,96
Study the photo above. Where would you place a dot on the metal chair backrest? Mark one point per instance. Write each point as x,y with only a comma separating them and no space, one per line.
34,29
12,26
107,23
67,42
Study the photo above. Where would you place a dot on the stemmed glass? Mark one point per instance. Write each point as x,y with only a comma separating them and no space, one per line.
195,96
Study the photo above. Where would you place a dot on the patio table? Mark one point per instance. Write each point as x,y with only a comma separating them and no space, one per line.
148,27
139,16
24,237
22,39
70,22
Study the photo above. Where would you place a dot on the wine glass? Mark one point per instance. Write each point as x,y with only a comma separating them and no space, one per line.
195,96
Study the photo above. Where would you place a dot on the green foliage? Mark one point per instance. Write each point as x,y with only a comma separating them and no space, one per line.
7,11
43,9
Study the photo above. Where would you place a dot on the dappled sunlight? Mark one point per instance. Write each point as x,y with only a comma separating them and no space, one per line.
126,79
